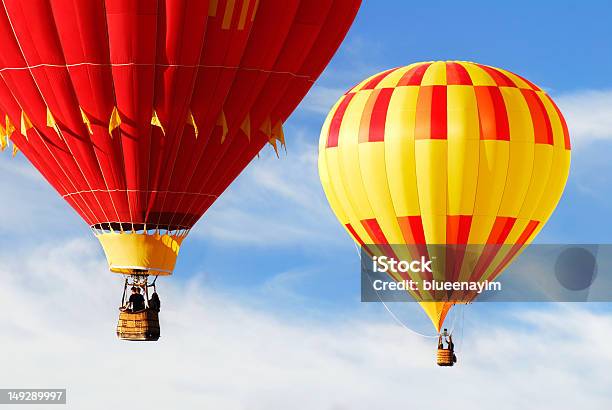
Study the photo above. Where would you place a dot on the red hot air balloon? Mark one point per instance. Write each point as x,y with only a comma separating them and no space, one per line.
140,113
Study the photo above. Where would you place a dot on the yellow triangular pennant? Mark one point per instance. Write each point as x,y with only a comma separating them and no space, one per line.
266,127
3,138
15,150
52,123
222,122
10,128
191,121
246,126
115,121
156,122
278,134
272,141
86,121
26,124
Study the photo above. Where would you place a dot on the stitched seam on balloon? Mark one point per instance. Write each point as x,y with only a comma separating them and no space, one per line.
139,190
29,67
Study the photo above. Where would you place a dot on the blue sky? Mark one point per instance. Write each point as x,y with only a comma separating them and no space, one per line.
269,262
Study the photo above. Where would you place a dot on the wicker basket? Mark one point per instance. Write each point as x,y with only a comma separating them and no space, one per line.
445,357
139,326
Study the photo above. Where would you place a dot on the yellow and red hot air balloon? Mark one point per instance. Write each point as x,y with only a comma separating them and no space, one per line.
140,113
445,153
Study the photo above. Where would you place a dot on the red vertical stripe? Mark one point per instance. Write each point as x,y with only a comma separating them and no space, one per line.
438,113
501,229
379,115
431,118
334,126
501,79
412,229
354,233
532,85
492,114
542,127
414,76
414,237
456,74
525,235
499,233
458,228
373,229
457,234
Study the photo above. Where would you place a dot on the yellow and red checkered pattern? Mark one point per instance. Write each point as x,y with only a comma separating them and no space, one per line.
445,153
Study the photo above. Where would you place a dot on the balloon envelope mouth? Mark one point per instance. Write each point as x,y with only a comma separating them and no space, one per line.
134,253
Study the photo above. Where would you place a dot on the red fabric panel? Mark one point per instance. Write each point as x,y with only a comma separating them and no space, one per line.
456,74
541,122
501,79
414,76
336,121
492,113
379,115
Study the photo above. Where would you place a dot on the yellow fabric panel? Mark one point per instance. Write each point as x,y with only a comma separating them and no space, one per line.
435,74
436,311
330,193
559,168
556,182
327,181
462,113
431,174
463,149
519,117
399,151
492,172
520,166
543,155
348,156
129,252
374,175
477,74
338,187
481,228
463,160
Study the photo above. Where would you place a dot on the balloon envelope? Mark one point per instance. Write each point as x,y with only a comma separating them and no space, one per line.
444,154
140,113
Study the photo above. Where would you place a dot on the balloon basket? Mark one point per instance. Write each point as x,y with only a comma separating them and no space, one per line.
445,357
138,326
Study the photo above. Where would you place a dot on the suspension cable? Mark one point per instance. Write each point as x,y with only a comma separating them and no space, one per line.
394,316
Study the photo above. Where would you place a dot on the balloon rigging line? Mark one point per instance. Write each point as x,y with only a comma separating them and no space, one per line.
394,316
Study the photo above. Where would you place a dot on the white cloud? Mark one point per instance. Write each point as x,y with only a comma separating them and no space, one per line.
588,115
320,99
59,312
